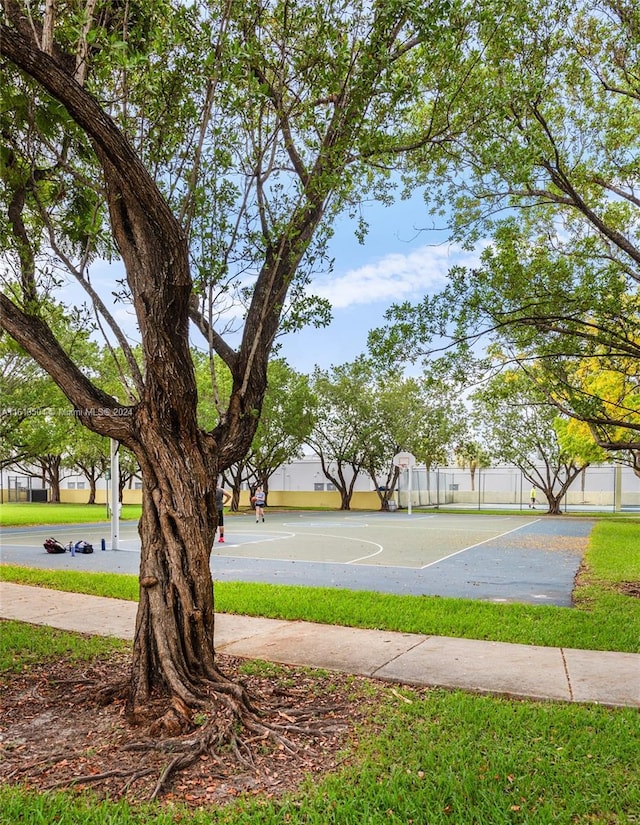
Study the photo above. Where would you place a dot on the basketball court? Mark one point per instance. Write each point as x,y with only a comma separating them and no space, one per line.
517,558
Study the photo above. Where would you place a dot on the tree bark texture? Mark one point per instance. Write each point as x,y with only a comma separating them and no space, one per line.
174,645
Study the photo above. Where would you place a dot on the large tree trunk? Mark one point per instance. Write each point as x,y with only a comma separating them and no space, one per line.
173,648
54,490
52,471
555,503
174,655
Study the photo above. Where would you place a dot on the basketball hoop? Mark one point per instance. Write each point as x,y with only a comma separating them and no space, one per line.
404,460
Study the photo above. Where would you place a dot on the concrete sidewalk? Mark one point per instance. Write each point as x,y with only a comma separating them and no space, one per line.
526,671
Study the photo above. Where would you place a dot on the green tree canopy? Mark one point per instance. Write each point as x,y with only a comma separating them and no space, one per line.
286,421
519,426
365,416
545,179
343,423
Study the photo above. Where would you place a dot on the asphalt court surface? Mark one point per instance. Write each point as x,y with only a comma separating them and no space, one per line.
521,558
387,539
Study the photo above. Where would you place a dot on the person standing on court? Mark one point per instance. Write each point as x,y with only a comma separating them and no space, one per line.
532,498
222,497
259,499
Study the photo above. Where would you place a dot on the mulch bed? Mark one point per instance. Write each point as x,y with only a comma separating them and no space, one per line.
54,734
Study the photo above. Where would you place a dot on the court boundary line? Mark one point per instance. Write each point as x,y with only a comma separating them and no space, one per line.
479,544
317,561
284,534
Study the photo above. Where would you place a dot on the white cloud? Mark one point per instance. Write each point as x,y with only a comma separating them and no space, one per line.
394,277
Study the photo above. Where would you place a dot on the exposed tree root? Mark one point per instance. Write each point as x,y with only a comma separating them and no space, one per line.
226,722
130,775
112,692
209,740
255,733
234,726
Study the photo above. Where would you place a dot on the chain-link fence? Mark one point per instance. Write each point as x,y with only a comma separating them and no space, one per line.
613,487
19,488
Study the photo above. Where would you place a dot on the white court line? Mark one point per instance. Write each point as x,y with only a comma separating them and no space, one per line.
404,526
274,536
324,536
471,546
347,538
380,514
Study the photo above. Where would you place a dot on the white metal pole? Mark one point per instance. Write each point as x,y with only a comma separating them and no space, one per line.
115,502
410,470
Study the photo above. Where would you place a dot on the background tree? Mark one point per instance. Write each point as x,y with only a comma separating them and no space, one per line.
614,388
286,422
89,452
519,427
232,480
555,142
89,455
365,416
128,469
21,390
571,340
219,141
35,413
417,415
576,439
344,424
44,434
392,410
470,454
46,437
334,437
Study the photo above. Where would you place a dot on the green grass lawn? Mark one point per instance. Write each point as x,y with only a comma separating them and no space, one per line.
615,552
23,644
27,514
428,756
440,757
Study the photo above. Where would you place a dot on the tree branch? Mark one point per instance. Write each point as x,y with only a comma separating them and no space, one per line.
220,346
99,411
111,145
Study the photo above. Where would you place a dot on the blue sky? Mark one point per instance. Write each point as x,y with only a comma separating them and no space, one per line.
398,261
